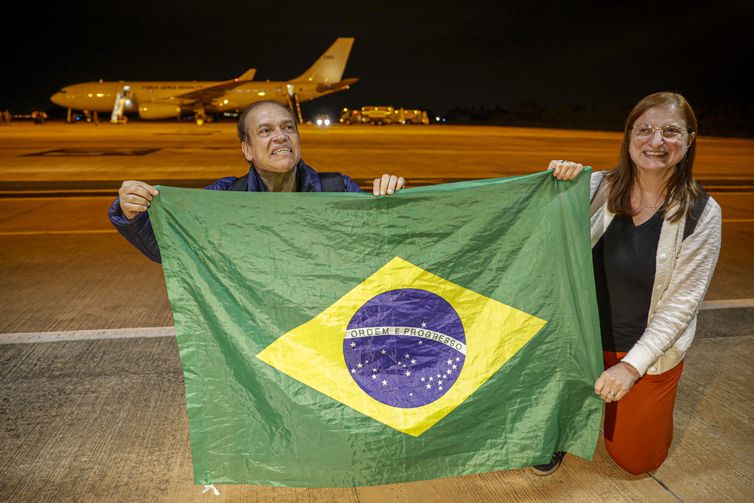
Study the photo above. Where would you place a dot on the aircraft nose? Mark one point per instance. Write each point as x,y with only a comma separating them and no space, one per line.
57,98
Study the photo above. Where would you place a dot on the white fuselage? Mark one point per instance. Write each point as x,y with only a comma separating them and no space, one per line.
100,96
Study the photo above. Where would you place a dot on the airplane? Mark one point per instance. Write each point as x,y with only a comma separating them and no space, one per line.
163,100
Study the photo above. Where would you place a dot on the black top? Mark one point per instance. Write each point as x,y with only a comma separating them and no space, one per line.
624,272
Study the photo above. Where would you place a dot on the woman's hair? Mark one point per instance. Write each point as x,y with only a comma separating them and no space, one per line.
681,189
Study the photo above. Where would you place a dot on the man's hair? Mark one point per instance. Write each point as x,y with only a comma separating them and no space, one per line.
243,134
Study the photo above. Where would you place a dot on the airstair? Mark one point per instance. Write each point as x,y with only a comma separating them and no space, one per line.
293,102
123,96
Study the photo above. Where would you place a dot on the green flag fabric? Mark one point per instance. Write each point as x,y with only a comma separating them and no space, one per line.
342,339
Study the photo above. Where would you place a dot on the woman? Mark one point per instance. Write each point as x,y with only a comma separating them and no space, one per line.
656,240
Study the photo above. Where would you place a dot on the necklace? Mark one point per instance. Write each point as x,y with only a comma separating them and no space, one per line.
659,203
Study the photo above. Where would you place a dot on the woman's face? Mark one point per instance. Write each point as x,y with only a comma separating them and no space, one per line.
659,139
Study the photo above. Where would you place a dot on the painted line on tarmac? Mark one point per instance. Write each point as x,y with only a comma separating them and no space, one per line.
132,333
727,304
42,233
86,335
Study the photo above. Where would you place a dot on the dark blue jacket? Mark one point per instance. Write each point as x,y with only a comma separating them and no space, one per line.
139,231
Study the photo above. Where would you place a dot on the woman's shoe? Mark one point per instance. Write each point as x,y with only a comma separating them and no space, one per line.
550,467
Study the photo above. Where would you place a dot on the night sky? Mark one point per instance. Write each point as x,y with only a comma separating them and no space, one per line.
432,55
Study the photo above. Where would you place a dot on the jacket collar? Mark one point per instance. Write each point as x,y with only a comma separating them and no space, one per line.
307,180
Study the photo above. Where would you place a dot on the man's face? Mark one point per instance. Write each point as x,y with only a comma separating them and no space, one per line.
273,143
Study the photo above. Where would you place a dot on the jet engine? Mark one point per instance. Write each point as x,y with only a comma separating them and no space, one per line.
159,111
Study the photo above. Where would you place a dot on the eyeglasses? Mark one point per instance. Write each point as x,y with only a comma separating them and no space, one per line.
647,131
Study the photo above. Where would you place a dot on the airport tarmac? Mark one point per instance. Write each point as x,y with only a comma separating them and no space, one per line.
99,415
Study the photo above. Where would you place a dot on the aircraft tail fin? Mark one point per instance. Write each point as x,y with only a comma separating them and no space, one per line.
328,69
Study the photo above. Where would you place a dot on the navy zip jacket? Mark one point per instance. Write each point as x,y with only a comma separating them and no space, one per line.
139,231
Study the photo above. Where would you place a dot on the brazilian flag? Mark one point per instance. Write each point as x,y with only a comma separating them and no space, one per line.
340,339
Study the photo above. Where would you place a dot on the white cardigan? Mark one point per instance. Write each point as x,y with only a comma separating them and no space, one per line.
683,273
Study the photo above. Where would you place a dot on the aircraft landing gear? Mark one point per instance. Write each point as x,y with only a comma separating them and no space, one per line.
200,116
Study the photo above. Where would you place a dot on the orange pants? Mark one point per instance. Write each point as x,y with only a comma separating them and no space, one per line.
639,427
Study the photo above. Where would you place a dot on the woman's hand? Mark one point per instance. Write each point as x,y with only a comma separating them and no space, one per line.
565,170
616,382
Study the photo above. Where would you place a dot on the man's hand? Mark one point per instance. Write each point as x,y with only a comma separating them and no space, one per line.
135,197
616,382
388,184
565,170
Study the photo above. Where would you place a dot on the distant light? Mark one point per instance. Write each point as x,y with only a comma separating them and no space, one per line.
443,119
327,122
99,95
90,95
225,102
319,122
261,93
437,119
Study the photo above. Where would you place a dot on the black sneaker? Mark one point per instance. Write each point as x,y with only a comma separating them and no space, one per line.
550,467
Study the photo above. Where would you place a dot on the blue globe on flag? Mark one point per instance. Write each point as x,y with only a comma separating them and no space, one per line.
405,347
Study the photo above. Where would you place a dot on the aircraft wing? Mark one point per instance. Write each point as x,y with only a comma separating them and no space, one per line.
209,93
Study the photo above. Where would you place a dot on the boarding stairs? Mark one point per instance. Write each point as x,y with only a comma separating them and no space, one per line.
118,116
293,102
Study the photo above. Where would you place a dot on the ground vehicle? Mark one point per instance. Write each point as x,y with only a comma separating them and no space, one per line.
378,115
383,115
350,116
411,116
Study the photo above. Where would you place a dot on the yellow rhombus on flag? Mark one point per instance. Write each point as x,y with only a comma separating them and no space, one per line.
404,347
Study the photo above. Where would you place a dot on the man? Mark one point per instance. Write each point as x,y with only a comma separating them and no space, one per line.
270,143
